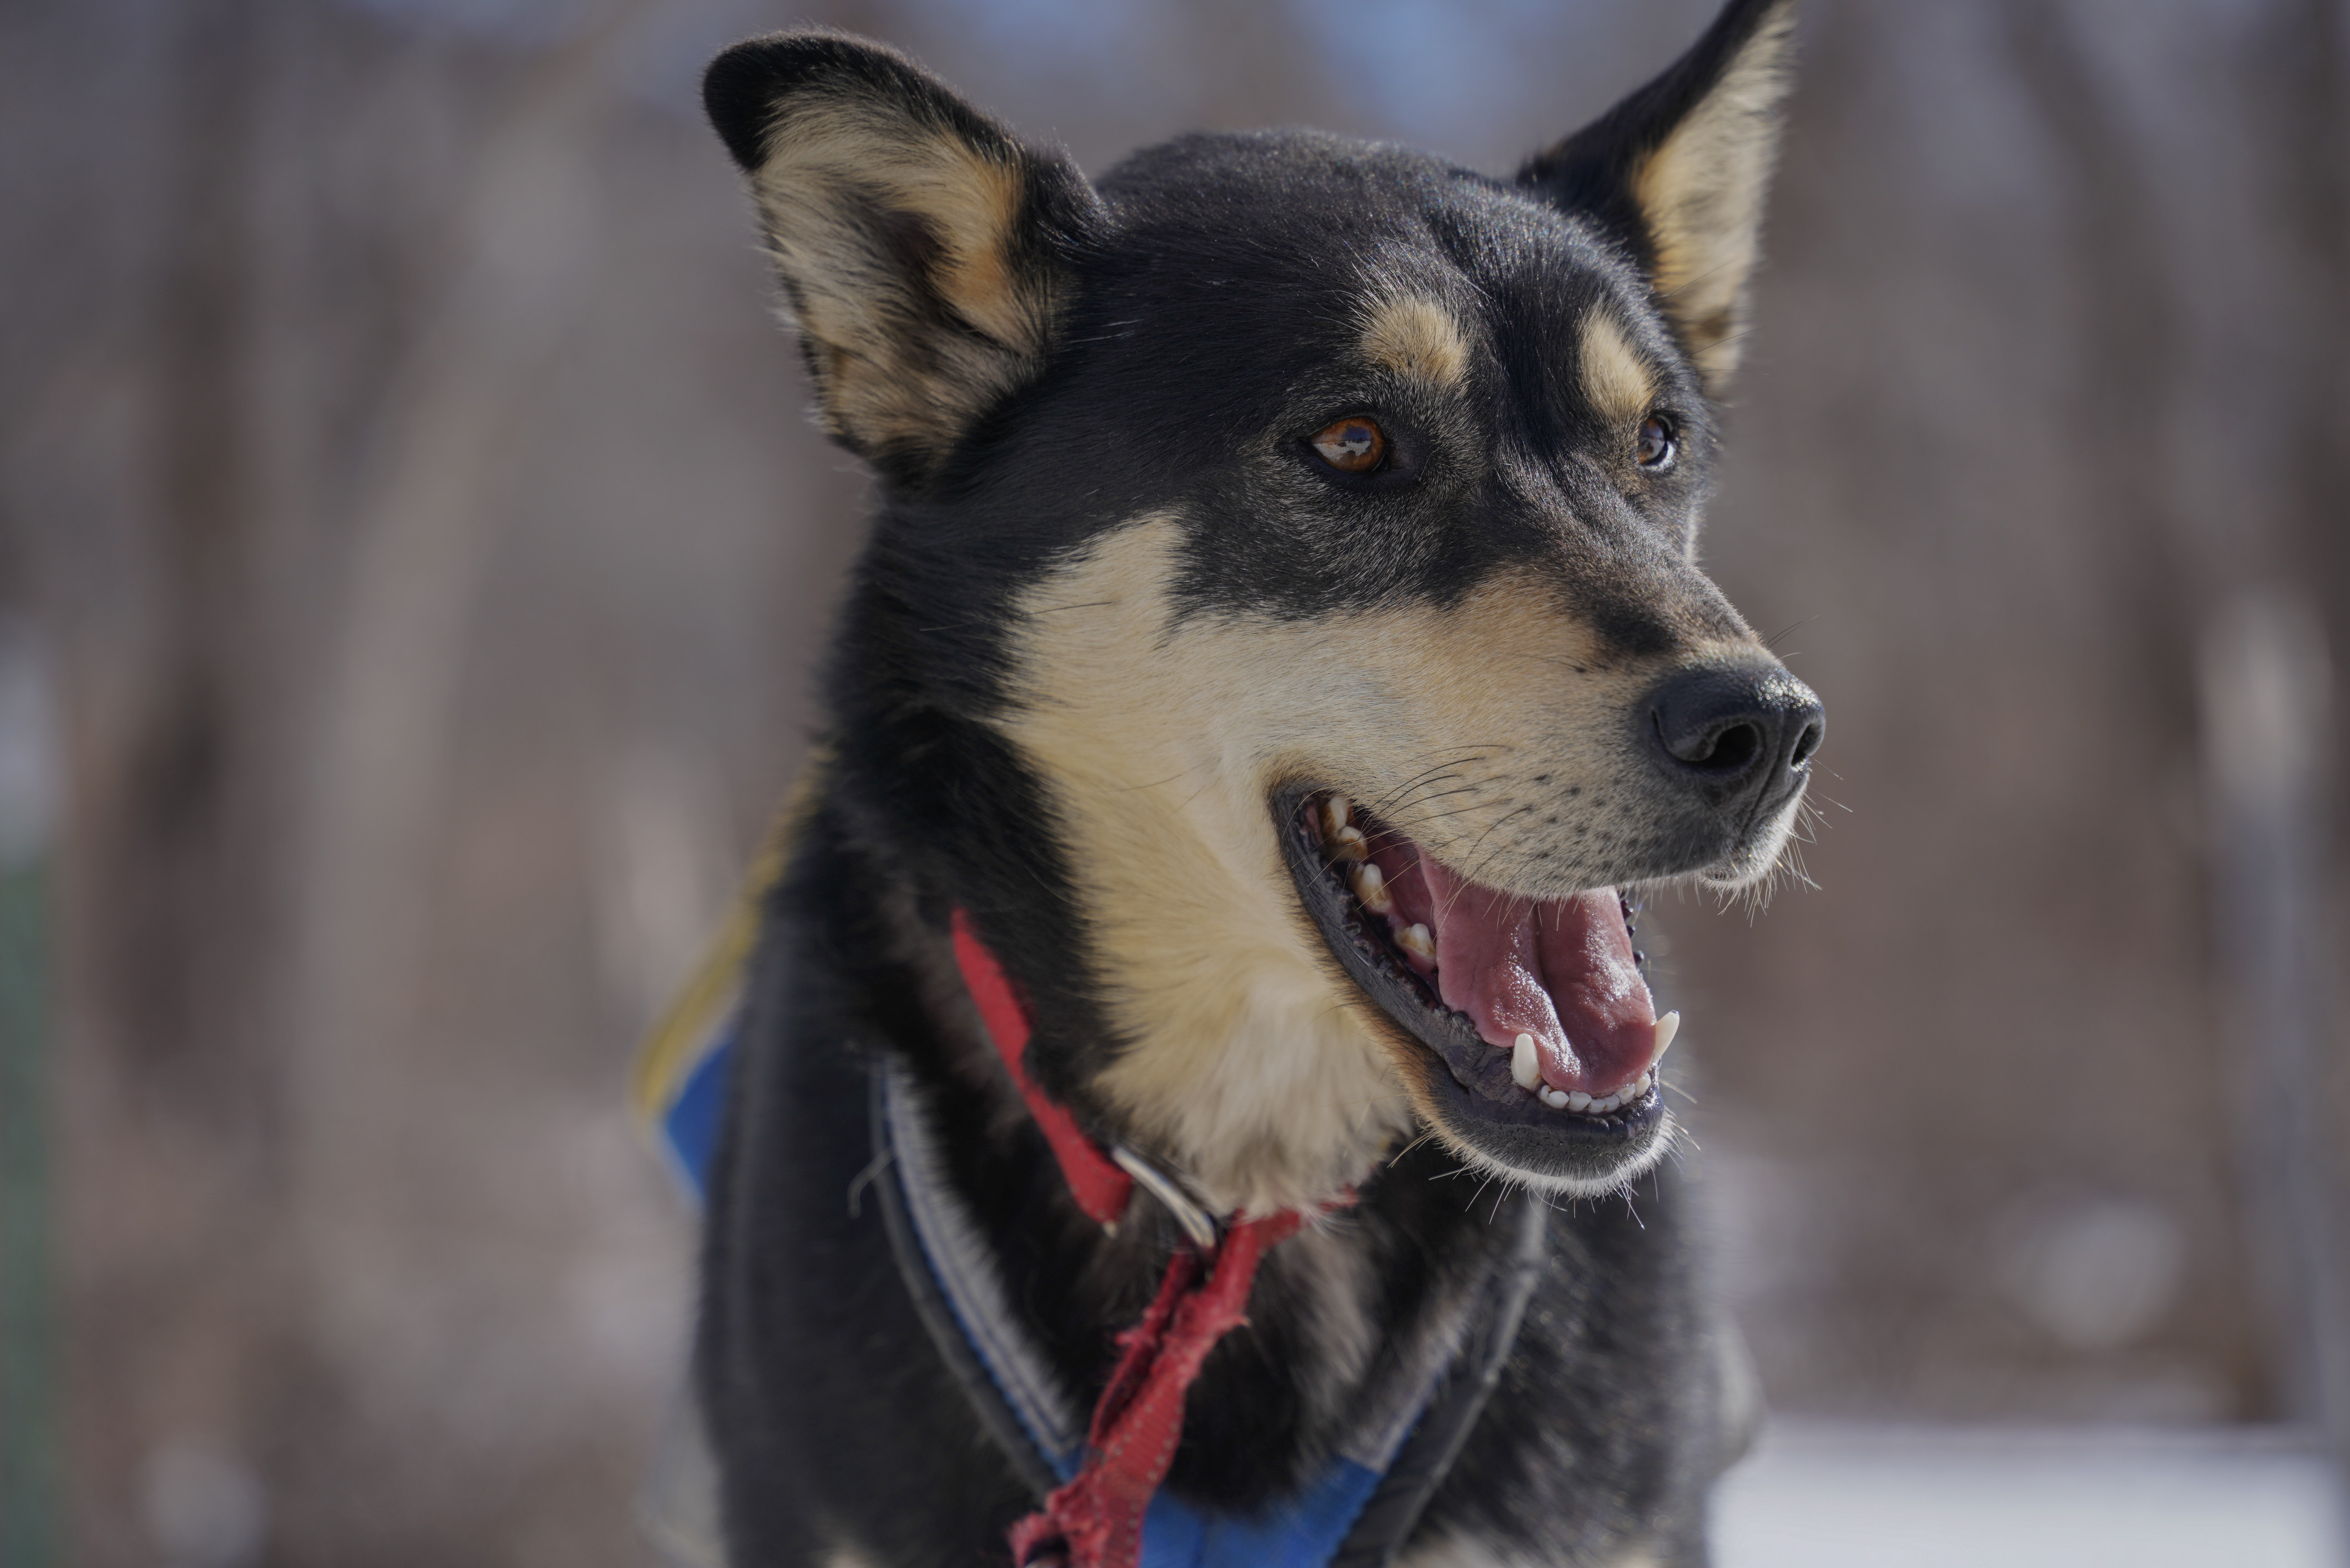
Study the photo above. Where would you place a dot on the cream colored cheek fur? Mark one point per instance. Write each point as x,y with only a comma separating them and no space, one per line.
1160,745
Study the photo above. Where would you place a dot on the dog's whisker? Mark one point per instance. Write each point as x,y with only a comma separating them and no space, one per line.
1410,788
1439,767
1407,1148
1393,812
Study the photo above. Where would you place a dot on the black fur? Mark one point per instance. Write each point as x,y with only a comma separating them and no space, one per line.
1203,326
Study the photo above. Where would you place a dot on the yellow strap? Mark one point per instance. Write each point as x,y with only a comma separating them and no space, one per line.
674,1045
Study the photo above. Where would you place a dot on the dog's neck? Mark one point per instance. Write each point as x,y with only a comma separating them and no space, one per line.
1328,1330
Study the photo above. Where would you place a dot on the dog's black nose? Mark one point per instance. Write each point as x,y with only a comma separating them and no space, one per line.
1740,736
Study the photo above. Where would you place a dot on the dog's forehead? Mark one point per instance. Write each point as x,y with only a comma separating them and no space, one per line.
1356,244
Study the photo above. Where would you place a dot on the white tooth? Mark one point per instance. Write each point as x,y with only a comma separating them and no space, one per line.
1640,1087
1417,941
1335,814
1351,845
1372,889
1578,1101
1601,1108
1526,1063
1667,1027
1554,1098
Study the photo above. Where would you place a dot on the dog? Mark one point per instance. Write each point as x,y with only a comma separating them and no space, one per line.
1197,985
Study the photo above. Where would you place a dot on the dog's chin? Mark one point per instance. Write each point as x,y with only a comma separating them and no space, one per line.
1463,1084
1747,868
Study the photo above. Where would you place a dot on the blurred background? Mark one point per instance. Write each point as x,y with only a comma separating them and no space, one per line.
412,552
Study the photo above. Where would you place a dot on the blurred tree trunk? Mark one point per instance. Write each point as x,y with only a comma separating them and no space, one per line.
2309,129
171,875
2130,408
249,986
2126,392
518,268
2311,133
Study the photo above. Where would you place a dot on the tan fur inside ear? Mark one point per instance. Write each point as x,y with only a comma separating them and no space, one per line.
1700,193
894,242
1615,377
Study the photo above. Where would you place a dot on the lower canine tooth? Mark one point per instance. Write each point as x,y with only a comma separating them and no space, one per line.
1372,889
1667,1027
1417,941
1640,1087
1526,1063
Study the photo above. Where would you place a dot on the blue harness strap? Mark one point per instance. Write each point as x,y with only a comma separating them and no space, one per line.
688,1129
1305,1531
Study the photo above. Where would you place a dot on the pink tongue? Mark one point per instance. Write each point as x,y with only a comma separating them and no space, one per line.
1562,972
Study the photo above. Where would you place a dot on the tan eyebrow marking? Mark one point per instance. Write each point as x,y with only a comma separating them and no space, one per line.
1417,337
1616,376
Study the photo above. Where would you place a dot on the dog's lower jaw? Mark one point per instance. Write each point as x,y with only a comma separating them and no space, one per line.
1605,1174
1754,867
1481,1103
1615,1180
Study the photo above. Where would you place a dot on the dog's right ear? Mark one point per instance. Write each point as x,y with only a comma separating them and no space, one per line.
922,248
1680,169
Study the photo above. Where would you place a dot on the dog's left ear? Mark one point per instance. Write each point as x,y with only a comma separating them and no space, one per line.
1680,169
922,247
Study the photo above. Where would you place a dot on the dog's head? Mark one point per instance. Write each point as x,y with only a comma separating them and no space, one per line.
1286,596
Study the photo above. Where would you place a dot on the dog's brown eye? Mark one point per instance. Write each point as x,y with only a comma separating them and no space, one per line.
1656,441
1351,446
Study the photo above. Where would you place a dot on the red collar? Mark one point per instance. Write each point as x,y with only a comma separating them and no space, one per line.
1100,1187
1096,1520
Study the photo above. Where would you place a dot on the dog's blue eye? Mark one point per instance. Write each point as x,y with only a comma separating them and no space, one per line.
1350,446
1656,441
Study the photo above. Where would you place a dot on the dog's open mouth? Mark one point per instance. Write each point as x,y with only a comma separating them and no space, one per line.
1535,1008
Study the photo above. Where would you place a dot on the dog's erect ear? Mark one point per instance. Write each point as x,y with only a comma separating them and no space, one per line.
922,248
1682,167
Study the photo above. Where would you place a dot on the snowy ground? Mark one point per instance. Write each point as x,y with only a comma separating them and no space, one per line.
1839,1495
